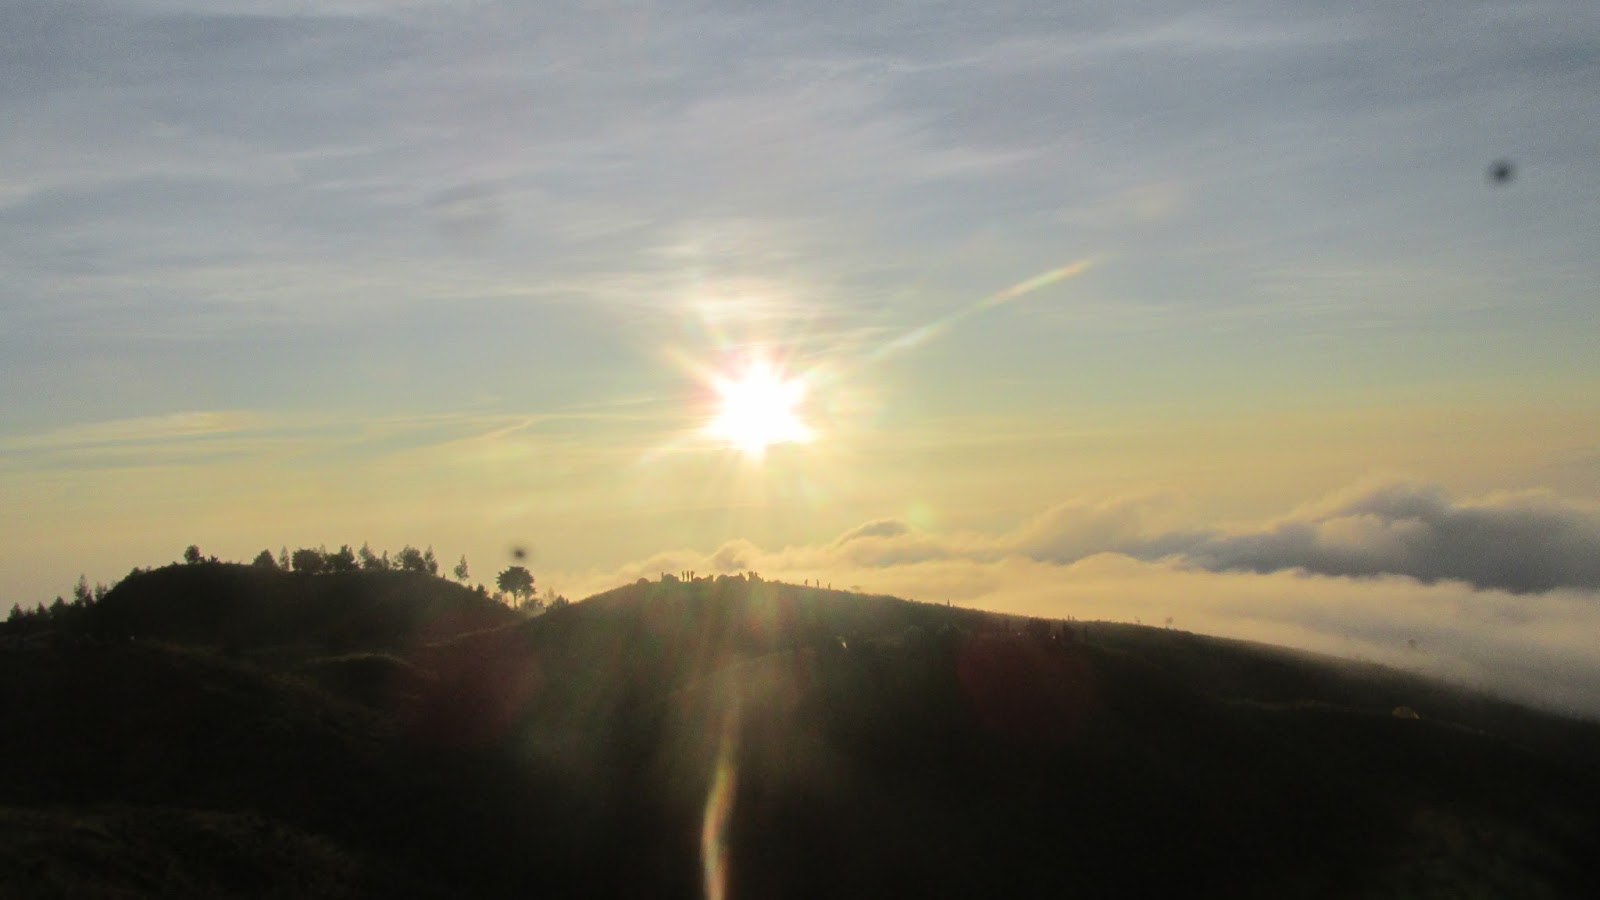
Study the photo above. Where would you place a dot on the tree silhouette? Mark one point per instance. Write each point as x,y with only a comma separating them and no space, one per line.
307,561
264,560
410,559
516,581
191,555
429,563
342,561
460,571
370,561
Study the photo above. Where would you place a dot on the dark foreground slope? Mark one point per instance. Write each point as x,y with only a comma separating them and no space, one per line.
766,739
200,732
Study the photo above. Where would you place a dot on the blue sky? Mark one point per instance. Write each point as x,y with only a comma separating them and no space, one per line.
293,272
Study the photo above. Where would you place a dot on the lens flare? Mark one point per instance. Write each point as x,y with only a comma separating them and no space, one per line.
758,407
919,336
757,403
714,822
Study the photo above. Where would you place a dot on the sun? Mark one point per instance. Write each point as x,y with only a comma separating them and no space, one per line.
758,407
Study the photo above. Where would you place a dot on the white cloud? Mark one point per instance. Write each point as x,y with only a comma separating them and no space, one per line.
1525,542
1084,560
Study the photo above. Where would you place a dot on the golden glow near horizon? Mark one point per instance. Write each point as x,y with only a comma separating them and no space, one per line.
757,407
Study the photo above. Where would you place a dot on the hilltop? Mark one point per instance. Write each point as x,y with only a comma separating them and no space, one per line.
389,733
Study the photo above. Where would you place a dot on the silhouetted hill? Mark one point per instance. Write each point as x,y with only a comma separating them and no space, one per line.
341,736
883,746
240,607
358,635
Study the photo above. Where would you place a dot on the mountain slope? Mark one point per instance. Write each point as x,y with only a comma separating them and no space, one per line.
885,746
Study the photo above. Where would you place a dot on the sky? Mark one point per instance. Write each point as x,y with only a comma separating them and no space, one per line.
1092,309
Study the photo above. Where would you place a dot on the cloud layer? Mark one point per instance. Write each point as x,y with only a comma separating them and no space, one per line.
1499,592
1522,543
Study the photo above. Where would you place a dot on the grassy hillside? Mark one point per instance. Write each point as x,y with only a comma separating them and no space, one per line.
381,734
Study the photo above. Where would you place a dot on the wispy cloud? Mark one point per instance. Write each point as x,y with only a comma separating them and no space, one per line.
873,169
147,429
242,436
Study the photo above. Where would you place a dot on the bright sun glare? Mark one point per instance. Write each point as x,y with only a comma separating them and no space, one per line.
758,408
